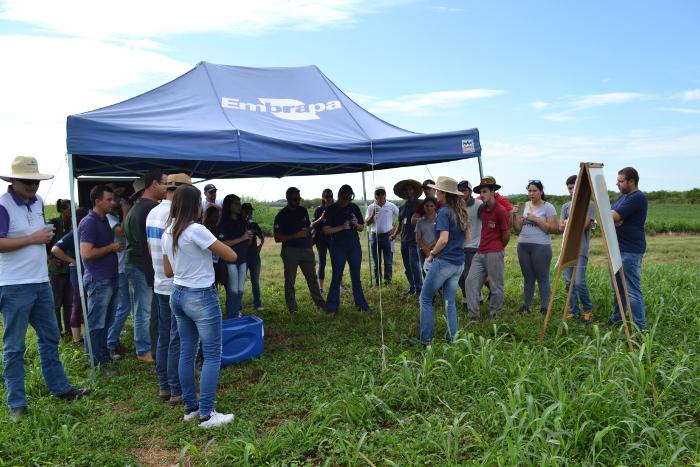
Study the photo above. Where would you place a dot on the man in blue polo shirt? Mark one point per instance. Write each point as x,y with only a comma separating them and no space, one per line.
99,253
630,213
25,293
293,229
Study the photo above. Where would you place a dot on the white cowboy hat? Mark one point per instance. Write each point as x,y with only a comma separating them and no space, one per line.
25,168
446,184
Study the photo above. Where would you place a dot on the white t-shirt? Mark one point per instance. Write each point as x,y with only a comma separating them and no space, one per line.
192,263
531,232
383,220
121,255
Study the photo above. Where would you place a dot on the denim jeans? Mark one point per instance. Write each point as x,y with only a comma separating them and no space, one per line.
142,297
153,326
350,253
168,351
123,310
580,292
632,264
62,298
412,266
381,244
253,265
322,249
101,305
235,286
22,305
442,275
198,319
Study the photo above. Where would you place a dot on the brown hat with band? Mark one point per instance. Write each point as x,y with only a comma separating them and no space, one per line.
400,188
175,180
446,184
489,182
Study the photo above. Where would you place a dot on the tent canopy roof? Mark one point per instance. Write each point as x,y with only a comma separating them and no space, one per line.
220,121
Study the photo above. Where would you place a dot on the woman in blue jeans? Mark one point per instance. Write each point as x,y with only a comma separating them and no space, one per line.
445,262
187,257
341,223
234,233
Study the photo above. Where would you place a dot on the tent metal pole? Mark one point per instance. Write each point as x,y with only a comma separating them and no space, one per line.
481,168
369,252
78,262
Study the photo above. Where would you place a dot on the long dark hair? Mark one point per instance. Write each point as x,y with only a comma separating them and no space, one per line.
184,211
226,208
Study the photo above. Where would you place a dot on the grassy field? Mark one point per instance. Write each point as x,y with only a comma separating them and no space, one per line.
322,395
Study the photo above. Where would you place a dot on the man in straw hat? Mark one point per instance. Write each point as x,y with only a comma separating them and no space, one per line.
168,348
25,293
490,257
409,190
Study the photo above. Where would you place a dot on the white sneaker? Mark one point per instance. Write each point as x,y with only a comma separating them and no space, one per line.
189,416
217,419
260,308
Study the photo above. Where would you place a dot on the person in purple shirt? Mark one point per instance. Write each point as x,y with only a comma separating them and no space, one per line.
629,214
99,253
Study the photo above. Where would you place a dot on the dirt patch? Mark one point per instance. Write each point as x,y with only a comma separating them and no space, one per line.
255,376
152,454
274,422
275,337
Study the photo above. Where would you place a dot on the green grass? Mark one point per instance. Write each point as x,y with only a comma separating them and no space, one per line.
320,395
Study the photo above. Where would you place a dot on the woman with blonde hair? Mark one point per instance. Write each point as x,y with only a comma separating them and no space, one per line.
445,260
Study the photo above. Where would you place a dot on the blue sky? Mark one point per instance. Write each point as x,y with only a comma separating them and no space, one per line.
548,84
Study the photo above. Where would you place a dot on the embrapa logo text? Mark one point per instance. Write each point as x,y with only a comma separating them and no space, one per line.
287,109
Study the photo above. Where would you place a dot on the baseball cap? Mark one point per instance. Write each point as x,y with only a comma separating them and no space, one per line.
427,183
247,207
175,180
209,187
464,185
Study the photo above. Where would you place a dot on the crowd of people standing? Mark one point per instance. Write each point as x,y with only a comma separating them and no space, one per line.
159,254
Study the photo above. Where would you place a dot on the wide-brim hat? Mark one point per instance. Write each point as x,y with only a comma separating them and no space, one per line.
487,182
175,180
25,168
446,184
400,187
139,185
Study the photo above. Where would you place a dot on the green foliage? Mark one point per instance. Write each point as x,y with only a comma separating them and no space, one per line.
320,394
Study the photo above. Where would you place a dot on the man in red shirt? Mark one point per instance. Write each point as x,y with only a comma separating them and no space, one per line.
489,260
502,200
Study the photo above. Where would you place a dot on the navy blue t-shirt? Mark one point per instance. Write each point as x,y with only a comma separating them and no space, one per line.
253,249
632,208
230,229
319,237
68,247
290,221
96,230
452,252
336,215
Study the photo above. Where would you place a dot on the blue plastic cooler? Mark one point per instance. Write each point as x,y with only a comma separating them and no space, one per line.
241,339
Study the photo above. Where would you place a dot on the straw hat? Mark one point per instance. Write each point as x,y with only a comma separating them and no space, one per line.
400,187
487,182
175,180
139,185
25,168
446,184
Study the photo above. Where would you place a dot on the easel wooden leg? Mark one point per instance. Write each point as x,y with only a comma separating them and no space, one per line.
549,305
620,306
627,295
571,290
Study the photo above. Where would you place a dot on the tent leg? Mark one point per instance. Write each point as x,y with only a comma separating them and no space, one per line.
481,168
369,252
78,261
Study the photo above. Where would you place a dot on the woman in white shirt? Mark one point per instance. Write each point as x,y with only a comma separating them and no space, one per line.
187,257
539,219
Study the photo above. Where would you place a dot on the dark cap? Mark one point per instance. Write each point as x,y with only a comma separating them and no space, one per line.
247,207
427,183
209,187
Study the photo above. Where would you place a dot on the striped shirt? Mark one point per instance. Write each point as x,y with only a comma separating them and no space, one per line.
155,225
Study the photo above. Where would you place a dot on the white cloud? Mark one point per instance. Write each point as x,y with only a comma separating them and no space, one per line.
539,105
599,100
558,117
154,18
424,103
682,110
691,95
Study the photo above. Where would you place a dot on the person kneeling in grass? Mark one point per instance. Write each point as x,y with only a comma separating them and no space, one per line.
187,258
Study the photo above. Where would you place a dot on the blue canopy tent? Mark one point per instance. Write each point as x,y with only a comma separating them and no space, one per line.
220,121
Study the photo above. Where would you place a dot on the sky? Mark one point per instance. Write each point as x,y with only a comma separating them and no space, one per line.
548,84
